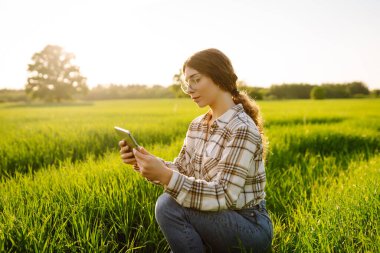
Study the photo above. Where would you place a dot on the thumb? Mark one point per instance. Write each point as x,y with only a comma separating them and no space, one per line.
144,151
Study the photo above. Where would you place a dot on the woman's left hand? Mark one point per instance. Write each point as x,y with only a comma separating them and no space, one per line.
151,167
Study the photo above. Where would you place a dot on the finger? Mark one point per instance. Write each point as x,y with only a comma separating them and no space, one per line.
125,149
129,161
140,162
127,155
139,154
122,143
144,151
124,146
136,153
136,167
122,150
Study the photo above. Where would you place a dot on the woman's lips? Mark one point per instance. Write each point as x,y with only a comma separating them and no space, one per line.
195,98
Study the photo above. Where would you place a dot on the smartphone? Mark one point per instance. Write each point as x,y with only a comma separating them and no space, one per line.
124,134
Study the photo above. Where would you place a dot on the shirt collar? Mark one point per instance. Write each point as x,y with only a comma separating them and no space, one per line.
226,117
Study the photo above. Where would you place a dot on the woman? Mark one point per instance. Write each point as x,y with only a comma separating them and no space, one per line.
214,195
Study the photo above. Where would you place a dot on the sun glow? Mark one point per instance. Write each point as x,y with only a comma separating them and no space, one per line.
146,42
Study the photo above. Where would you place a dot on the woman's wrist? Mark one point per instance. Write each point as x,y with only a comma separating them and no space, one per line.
167,175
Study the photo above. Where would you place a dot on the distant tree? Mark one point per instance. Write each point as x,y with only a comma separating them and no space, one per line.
357,88
317,93
7,95
335,90
176,86
375,93
291,91
253,92
131,91
52,76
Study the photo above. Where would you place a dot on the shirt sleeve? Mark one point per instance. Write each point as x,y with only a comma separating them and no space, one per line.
222,193
179,163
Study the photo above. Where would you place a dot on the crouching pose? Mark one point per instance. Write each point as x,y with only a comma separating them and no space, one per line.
214,198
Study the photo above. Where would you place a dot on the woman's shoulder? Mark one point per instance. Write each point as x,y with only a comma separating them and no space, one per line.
199,119
196,123
242,120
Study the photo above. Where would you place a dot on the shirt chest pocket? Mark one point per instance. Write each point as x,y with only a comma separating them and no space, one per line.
214,147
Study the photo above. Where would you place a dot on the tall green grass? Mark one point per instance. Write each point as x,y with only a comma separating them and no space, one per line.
340,214
36,136
68,191
87,207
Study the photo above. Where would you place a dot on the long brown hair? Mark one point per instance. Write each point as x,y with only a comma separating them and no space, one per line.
216,65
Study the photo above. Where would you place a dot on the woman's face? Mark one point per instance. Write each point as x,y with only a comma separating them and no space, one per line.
203,91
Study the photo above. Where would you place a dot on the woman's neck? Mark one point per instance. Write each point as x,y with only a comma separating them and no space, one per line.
221,105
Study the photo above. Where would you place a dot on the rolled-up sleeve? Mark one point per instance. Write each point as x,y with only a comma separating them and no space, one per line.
179,164
223,191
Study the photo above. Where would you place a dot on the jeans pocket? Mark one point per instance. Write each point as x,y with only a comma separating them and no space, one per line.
249,214
265,221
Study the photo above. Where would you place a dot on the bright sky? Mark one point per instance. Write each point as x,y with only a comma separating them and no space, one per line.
146,41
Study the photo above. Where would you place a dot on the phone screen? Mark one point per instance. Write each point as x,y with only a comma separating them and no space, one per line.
127,136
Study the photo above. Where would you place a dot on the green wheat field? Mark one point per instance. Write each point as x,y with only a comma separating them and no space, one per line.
63,187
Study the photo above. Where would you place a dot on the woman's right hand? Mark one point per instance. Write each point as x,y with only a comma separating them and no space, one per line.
126,153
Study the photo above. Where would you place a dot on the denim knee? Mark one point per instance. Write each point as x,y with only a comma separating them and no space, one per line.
165,205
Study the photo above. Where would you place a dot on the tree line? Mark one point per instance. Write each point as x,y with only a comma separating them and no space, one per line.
274,92
326,90
54,78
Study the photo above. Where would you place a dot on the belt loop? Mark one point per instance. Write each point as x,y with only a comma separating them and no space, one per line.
262,205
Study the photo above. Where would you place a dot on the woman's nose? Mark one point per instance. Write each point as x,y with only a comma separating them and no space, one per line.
190,90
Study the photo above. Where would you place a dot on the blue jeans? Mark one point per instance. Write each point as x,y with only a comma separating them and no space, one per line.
190,230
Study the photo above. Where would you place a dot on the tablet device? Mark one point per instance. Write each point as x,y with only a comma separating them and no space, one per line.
124,134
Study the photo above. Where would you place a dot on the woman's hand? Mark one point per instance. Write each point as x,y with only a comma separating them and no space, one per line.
151,167
127,156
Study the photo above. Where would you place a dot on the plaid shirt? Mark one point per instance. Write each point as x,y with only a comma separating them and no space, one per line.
220,168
